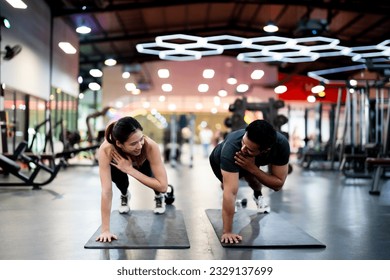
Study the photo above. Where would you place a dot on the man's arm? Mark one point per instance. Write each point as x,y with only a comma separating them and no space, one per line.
273,179
230,188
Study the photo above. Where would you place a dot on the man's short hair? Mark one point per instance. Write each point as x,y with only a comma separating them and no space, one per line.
262,133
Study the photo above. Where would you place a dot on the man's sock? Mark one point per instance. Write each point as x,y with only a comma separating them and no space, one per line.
257,194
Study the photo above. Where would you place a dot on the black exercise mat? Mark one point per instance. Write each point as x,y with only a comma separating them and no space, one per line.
142,229
263,230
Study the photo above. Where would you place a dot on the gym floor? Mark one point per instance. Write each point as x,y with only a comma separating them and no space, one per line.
55,222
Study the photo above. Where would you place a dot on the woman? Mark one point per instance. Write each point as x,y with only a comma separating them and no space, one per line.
127,151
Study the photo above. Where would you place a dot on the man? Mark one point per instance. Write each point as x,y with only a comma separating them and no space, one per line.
239,156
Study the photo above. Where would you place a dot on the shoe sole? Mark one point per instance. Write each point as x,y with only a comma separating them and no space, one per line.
124,211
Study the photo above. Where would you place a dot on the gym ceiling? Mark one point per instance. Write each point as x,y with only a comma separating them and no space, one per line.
118,26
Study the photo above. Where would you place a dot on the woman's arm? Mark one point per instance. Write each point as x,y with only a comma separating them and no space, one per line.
104,154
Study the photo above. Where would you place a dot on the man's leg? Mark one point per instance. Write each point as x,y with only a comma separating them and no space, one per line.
258,197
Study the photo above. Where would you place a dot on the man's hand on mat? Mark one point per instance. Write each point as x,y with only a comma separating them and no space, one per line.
231,238
106,237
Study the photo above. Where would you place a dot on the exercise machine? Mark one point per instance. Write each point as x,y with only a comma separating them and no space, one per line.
12,165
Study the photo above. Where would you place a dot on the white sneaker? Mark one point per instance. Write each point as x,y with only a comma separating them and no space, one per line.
262,207
160,204
124,206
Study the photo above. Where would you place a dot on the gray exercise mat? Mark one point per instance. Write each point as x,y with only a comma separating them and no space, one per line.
142,229
263,230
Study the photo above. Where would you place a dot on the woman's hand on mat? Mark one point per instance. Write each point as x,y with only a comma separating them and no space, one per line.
231,238
106,237
123,164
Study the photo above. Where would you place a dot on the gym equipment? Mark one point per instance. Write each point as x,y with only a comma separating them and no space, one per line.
263,231
10,165
379,165
242,202
169,195
142,229
91,137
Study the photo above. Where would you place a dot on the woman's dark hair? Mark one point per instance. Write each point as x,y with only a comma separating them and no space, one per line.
121,130
262,133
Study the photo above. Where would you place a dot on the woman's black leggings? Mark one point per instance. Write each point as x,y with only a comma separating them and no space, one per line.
121,179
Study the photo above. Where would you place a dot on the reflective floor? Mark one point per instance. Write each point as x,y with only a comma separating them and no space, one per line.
54,223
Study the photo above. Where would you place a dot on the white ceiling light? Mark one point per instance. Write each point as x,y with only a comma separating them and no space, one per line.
130,86
161,98
17,4
317,89
137,91
208,73
166,87
353,83
280,89
83,29
67,47
163,73
311,99
126,75
110,62
257,74
242,88
203,87
266,48
222,93
231,81
94,86
95,73
270,27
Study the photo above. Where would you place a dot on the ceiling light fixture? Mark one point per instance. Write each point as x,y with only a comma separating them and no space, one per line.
83,29
126,75
231,80
208,73
280,89
17,4
317,89
222,93
257,74
270,27
5,22
94,86
96,73
163,73
110,62
67,47
166,87
203,87
241,88
265,49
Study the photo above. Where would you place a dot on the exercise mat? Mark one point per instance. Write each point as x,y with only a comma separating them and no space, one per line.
142,229
263,230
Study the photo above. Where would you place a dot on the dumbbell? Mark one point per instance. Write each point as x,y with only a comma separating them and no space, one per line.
169,195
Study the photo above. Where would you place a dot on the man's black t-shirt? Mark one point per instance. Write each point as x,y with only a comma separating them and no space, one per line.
223,154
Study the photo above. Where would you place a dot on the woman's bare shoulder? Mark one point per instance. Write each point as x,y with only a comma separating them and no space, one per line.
106,147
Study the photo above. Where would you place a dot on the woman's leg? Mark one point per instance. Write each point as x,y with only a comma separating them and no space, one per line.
120,179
